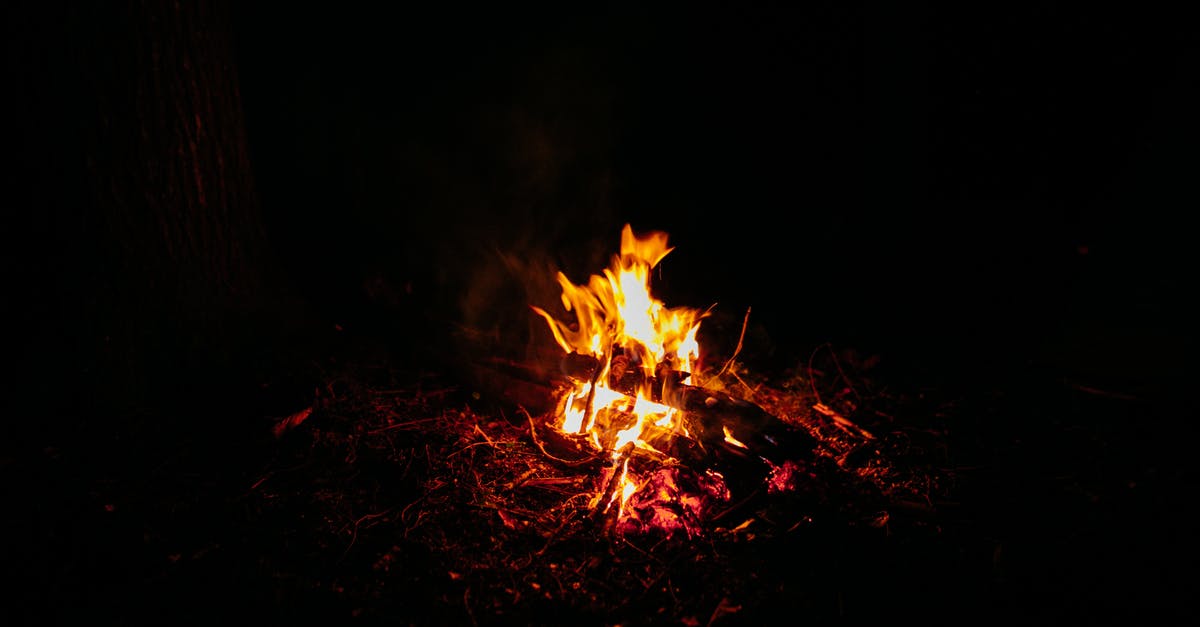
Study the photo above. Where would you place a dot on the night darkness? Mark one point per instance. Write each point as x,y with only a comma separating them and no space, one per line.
210,207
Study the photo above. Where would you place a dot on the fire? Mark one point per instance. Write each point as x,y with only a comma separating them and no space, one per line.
617,312
626,329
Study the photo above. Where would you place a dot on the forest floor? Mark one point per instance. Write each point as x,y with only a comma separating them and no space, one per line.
362,489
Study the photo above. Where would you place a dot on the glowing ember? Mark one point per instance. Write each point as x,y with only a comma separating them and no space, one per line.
673,498
625,328
785,477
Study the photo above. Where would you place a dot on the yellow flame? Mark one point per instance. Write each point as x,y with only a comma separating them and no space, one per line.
628,489
625,492
633,433
616,314
732,440
618,309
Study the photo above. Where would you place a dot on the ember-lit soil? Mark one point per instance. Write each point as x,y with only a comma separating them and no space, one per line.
408,496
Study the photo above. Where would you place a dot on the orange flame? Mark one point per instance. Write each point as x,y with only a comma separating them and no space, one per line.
618,309
616,314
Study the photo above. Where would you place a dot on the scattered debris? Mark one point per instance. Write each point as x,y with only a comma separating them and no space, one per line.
410,483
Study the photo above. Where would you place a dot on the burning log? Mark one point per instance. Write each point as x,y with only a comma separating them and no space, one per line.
673,449
728,425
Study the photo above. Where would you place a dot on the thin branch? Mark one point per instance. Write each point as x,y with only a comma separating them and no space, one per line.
401,425
542,448
738,348
812,382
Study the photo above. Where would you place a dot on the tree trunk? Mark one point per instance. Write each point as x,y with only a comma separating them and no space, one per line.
144,271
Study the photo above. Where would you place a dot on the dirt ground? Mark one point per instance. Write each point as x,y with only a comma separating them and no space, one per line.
362,489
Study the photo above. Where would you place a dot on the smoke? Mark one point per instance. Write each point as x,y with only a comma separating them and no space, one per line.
519,187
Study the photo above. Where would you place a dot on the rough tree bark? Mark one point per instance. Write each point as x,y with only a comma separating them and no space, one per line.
146,268
170,177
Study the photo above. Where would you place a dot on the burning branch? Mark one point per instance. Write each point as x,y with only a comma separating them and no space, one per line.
714,418
629,362
587,459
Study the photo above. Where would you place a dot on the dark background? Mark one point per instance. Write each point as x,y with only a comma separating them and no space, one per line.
969,188
1003,179
979,187
992,196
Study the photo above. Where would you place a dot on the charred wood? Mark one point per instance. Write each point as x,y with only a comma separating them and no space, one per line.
708,413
